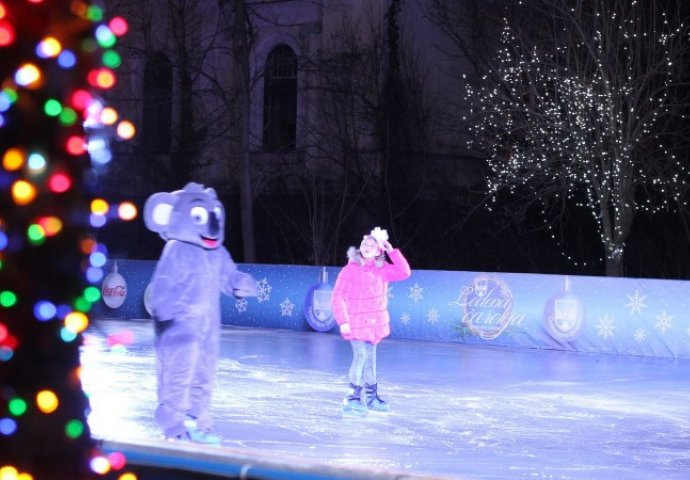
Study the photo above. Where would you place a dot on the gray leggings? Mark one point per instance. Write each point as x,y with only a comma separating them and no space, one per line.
363,368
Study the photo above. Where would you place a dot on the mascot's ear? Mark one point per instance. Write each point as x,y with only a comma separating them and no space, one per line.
158,211
211,193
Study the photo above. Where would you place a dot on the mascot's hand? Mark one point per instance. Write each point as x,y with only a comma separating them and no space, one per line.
345,329
244,286
161,316
160,326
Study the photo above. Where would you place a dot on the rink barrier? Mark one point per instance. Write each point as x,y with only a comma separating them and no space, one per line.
632,316
155,460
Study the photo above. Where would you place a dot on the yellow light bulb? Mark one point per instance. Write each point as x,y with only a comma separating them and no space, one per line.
47,401
99,206
13,159
76,322
23,192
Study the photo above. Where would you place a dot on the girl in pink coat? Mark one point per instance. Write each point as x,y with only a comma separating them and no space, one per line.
360,306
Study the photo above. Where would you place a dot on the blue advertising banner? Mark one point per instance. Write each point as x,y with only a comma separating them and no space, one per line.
575,313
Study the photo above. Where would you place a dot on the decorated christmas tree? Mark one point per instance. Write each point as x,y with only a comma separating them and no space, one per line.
56,57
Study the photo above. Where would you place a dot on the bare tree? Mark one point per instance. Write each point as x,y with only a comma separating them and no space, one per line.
240,55
364,161
208,51
470,27
587,113
321,192
183,36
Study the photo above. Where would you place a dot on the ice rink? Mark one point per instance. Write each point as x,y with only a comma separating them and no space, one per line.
458,411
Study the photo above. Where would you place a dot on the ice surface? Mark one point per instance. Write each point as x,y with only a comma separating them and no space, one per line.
458,411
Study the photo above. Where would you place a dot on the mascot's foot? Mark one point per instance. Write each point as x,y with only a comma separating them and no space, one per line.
200,436
197,436
183,437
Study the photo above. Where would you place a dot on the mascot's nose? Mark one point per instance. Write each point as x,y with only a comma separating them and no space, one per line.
214,224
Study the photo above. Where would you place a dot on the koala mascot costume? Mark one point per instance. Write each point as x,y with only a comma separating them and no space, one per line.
192,271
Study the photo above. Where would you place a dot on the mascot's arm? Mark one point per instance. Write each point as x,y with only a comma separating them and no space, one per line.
168,282
236,283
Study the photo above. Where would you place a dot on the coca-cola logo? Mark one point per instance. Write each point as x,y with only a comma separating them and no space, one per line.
118,290
114,290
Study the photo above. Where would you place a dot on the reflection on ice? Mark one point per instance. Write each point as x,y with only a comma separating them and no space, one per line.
458,410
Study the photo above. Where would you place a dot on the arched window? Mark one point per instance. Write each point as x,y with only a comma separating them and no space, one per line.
157,118
280,100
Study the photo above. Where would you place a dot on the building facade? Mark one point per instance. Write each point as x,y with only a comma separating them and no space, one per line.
339,103
179,83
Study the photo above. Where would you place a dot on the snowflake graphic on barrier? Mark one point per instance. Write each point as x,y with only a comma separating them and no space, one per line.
640,335
389,292
636,303
416,293
241,304
405,318
264,290
286,308
432,316
663,321
606,326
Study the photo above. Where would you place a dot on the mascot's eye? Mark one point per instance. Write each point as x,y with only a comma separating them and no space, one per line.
199,215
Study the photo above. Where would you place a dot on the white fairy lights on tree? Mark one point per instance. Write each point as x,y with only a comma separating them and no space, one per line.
587,108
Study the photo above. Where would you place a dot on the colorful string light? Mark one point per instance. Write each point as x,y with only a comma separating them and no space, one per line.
52,118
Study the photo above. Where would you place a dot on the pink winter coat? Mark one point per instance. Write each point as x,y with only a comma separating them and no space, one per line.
360,295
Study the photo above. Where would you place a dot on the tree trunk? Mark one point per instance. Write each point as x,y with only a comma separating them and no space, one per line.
614,264
241,58
613,243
